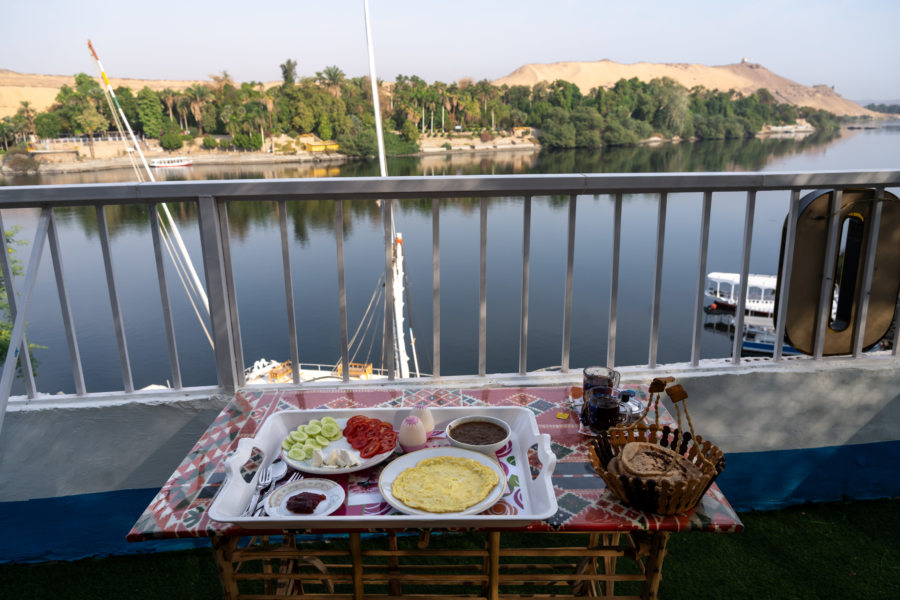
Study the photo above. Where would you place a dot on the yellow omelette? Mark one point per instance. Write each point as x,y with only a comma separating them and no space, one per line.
444,484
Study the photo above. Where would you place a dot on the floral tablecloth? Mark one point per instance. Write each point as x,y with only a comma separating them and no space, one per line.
180,509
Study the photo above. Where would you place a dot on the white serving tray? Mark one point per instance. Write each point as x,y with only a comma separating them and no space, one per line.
539,498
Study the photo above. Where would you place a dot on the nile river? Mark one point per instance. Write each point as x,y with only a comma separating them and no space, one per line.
256,255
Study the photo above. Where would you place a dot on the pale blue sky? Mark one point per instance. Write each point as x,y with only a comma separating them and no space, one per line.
853,46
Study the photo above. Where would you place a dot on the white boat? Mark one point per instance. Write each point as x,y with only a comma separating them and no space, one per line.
175,161
724,289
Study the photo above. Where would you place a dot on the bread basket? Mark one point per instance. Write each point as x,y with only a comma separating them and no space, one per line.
681,484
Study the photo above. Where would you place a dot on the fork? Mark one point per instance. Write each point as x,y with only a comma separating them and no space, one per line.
261,505
265,478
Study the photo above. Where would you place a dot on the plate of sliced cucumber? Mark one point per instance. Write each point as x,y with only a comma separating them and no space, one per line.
319,446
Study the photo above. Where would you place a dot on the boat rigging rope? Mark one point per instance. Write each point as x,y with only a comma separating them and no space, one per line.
176,261
379,286
367,320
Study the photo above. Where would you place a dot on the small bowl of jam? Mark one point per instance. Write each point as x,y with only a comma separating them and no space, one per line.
479,433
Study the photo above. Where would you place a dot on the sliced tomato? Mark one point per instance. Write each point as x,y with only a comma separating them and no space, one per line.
356,419
386,445
370,450
358,441
382,426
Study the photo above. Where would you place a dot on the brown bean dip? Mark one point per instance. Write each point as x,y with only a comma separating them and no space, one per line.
478,433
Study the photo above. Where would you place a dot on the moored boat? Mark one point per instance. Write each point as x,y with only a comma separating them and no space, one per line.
724,289
175,161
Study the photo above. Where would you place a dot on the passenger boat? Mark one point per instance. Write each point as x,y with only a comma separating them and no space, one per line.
175,161
724,289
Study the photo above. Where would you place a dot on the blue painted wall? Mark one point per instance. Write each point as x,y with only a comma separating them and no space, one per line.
75,527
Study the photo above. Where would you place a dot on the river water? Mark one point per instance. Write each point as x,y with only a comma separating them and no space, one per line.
256,254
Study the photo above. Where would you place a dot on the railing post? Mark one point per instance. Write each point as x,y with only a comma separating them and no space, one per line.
217,291
744,279
701,278
18,331
526,270
614,283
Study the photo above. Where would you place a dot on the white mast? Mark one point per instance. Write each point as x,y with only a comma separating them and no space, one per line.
402,359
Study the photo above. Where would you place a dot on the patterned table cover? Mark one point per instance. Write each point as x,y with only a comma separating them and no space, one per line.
180,509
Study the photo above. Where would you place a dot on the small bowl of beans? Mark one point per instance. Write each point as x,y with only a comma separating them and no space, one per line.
479,433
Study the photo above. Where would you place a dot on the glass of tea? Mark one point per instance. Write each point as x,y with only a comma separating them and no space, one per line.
602,410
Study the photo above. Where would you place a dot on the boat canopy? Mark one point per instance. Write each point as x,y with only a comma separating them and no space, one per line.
761,287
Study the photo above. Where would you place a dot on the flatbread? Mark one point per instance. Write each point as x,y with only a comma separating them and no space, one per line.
443,484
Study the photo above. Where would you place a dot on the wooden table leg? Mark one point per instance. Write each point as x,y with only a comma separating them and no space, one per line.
609,562
494,557
654,564
356,559
393,565
224,548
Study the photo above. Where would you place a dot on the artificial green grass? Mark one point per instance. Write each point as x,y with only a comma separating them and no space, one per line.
834,550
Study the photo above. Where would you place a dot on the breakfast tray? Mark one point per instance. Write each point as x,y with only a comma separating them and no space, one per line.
528,497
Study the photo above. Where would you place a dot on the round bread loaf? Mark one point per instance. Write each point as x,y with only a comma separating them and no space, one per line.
658,463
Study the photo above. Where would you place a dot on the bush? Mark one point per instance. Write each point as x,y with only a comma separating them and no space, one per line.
446,146
19,161
410,132
486,136
171,141
210,143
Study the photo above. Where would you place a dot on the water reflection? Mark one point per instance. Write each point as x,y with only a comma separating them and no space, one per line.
713,155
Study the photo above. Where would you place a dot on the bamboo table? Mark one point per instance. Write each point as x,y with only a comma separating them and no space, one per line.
381,563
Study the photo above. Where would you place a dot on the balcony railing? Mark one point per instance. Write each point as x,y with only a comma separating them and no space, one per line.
212,200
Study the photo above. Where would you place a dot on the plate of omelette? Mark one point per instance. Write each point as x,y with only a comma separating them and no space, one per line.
442,481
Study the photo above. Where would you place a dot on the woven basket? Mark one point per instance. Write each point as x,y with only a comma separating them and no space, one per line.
665,498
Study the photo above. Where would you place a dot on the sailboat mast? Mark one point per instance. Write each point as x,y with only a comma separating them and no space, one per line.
112,93
201,291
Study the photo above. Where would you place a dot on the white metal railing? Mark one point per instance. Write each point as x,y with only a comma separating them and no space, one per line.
212,199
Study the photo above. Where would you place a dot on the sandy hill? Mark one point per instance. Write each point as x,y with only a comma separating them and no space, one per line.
41,90
744,77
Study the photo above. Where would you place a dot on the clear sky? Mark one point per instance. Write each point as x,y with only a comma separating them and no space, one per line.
853,46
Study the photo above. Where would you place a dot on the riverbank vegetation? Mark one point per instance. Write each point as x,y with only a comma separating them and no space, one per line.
332,106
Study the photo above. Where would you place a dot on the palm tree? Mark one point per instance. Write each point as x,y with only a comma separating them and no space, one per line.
333,77
183,104
219,83
197,96
168,96
28,113
289,71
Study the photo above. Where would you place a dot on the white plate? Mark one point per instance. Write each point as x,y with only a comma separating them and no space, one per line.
276,504
393,470
341,443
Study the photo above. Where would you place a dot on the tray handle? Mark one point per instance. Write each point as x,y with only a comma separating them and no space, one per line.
236,489
547,458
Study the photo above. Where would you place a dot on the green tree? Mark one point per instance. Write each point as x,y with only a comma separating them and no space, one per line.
410,132
47,125
332,77
128,103
324,129
6,132
27,112
289,72
89,122
557,129
150,112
